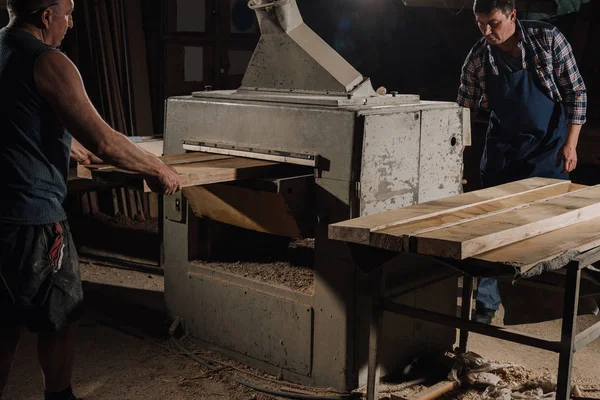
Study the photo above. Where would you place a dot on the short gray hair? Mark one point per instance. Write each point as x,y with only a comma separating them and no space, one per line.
23,8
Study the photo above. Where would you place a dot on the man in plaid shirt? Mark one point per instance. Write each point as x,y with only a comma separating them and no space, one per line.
525,74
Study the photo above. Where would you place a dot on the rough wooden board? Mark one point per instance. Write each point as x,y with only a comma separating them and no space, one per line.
397,237
528,253
359,230
178,159
246,208
85,171
435,391
485,234
193,174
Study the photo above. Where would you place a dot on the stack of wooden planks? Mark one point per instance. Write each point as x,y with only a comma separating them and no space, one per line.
117,201
520,224
194,169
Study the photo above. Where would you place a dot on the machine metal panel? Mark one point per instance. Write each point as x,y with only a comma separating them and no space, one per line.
390,162
269,328
327,131
441,155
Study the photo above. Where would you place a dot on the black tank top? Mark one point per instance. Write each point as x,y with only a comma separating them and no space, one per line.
34,146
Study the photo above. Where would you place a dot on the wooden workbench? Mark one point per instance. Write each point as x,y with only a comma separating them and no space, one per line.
524,228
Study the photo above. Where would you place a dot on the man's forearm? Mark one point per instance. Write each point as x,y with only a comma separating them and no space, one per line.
121,152
572,139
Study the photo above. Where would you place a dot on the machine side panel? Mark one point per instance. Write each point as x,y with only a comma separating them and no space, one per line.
268,328
442,138
390,162
335,292
326,131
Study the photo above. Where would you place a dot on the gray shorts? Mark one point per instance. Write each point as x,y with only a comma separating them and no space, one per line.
40,287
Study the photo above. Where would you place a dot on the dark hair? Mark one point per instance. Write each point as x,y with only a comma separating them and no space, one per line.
489,6
23,8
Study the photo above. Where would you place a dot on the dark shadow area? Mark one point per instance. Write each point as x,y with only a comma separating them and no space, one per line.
117,236
139,312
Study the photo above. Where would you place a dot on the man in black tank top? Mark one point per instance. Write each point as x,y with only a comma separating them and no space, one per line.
43,102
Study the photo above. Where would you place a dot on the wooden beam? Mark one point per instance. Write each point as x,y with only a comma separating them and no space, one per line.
588,336
531,252
193,174
436,391
398,237
138,67
484,234
246,208
359,230
86,171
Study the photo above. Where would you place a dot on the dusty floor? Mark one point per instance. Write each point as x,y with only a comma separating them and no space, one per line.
122,351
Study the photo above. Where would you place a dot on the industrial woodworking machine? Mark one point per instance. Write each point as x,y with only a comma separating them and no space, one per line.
356,152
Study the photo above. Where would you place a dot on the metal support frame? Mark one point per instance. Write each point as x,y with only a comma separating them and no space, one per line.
377,285
566,347
465,309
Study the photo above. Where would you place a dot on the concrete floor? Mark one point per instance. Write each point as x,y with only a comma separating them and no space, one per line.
122,350
123,353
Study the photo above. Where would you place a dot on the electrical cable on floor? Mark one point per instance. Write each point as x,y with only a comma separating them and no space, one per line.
261,389
207,364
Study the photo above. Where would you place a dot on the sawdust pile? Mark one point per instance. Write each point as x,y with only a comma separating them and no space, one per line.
494,380
293,269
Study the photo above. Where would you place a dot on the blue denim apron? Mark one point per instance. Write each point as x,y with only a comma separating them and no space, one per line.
526,129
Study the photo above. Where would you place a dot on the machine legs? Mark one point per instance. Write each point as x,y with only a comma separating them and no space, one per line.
567,349
377,284
465,312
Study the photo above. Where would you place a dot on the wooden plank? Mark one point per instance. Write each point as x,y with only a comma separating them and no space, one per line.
124,202
140,205
86,171
94,205
153,205
397,238
246,208
359,230
133,211
528,253
146,204
484,234
187,158
435,391
588,336
115,200
138,62
85,203
193,174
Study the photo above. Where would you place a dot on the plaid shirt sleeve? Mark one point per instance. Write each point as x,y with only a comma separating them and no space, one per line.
569,80
469,92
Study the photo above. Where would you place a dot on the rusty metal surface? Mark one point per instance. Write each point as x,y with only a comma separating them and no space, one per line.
390,162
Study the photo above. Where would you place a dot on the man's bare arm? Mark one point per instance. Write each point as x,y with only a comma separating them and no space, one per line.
60,83
82,155
567,155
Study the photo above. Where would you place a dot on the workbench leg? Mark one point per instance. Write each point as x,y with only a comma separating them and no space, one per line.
465,309
571,304
377,282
